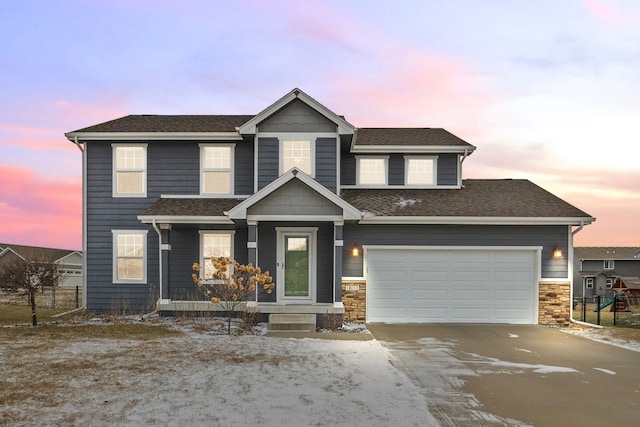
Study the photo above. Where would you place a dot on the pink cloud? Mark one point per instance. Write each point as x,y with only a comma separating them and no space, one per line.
607,13
39,210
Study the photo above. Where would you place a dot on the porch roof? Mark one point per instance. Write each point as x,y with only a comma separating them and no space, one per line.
185,209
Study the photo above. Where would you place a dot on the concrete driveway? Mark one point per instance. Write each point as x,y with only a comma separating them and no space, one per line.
515,375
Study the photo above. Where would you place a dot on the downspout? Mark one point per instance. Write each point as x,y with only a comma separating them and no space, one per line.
578,322
84,222
155,227
466,153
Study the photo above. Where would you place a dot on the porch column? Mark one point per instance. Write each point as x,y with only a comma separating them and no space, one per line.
252,242
165,248
337,262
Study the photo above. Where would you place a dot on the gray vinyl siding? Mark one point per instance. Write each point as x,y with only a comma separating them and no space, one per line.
185,250
447,169
297,117
104,214
267,252
458,235
396,169
326,162
268,160
244,167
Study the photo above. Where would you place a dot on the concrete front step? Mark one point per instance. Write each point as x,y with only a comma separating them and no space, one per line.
292,322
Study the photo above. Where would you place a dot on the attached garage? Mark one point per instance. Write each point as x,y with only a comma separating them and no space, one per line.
451,285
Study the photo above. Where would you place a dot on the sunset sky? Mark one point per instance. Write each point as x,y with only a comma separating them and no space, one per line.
546,90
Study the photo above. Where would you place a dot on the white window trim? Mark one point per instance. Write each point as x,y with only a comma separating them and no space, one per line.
114,177
231,169
115,234
589,282
386,170
609,264
297,137
434,177
201,244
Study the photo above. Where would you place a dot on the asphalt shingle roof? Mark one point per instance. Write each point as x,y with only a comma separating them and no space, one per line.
408,136
191,207
51,254
607,252
177,123
478,198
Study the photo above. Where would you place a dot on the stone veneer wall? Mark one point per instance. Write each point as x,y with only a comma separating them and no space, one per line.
554,303
354,299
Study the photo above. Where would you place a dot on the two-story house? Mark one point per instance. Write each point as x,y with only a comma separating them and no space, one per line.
598,267
376,224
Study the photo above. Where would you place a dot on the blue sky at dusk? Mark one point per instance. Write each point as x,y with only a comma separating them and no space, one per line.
547,90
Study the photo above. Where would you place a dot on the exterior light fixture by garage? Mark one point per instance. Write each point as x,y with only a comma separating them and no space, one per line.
355,251
557,251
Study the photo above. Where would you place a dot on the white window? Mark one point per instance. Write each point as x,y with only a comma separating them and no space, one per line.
420,170
297,153
216,163
129,256
608,264
371,170
609,283
129,170
589,282
214,244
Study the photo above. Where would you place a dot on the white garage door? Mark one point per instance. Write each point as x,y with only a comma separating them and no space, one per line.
451,285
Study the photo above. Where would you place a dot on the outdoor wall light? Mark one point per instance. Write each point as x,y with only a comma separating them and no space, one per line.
557,251
355,251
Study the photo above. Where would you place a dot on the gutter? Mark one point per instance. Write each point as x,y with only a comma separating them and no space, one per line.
157,229
571,319
84,221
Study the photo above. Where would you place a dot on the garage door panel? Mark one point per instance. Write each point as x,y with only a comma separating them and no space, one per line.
467,286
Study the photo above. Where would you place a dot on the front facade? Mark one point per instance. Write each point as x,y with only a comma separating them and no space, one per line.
375,224
598,267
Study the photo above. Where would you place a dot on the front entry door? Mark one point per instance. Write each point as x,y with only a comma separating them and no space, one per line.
296,266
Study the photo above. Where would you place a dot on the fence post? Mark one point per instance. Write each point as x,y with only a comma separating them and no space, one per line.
77,305
584,308
615,308
598,309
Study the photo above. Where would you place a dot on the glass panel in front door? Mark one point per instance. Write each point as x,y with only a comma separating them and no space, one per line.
296,263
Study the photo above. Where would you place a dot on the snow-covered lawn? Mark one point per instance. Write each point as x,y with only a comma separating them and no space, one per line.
197,378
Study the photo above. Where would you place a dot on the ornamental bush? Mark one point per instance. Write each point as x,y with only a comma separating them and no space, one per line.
231,284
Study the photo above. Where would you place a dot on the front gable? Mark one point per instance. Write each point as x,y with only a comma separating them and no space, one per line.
294,198
297,116
286,197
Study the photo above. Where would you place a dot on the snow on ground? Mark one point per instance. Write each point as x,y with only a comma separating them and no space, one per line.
204,379
604,336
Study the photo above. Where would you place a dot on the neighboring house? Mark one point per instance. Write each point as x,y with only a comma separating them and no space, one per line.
597,269
69,261
376,224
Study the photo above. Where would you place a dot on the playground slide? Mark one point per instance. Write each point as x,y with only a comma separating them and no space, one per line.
605,304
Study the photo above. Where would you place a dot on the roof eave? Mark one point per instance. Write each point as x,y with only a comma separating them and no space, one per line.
184,219
146,136
433,149
467,220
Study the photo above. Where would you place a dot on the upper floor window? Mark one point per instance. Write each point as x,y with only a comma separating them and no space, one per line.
371,170
297,153
214,244
608,264
129,170
129,256
420,170
216,169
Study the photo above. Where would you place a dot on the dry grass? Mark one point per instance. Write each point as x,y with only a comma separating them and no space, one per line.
11,314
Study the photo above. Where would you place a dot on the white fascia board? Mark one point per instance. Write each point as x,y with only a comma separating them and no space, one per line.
240,210
417,149
294,218
249,127
154,136
462,220
178,219
400,187
203,196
